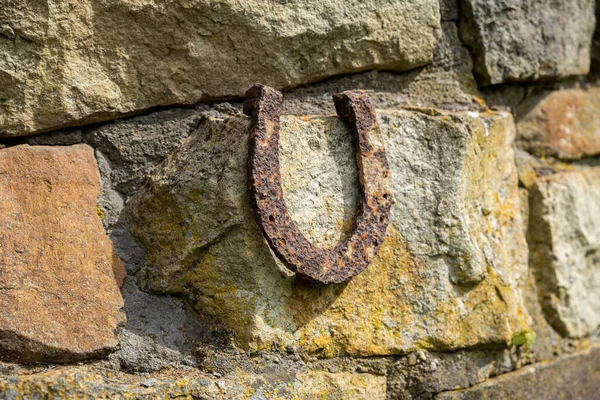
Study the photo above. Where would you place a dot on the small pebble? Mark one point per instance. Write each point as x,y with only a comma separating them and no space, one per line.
412,359
433,365
148,382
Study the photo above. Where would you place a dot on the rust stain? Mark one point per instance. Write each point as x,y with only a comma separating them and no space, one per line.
351,256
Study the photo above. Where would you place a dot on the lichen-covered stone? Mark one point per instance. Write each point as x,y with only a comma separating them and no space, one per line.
72,62
520,41
90,383
447,275
570,377
562,123
341,385
564,240
97,383
59,275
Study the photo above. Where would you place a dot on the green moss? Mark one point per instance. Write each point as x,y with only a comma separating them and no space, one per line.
524,338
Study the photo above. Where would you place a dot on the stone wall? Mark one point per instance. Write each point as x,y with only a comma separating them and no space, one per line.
131,263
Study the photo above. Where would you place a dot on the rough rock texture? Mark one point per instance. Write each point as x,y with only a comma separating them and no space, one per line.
447,275
341,385
59,275
89,382
449,10
421,375
564,123
86,382
531,167
134,146
520,41
564,239
487,284
447,83
570,377
72,62
159,333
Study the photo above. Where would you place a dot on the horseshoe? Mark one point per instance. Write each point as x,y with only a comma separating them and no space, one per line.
351,256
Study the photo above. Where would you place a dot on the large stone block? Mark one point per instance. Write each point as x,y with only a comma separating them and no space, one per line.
564,240
520,41
447,275
562,123
421,375
446,83
71,383
59,275
66,62
571,377
83,382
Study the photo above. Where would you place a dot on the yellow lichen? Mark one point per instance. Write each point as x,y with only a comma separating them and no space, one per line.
100,213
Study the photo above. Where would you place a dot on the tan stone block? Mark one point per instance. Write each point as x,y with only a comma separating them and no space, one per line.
563,123
77,382
59,274
564,240
82,61
447,276
342,385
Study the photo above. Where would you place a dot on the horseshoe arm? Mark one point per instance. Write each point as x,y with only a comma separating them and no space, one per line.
351,256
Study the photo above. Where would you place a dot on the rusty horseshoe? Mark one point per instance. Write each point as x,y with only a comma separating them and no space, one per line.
352,255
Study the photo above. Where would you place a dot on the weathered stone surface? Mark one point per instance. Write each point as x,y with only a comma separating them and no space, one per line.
421,375
159,333
84,61
341,385
127,150
64,137
134,146
531,168
563,123
548,343
569,377
517,41
446,83
59,275
90,382
449,9
446,277
564,240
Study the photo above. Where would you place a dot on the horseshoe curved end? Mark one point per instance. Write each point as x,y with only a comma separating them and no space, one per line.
261,96
351,256
345,103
